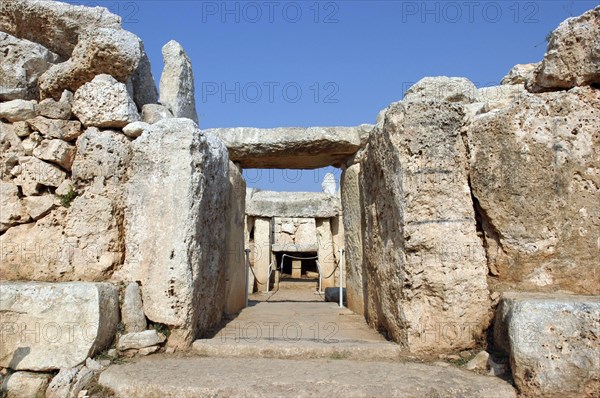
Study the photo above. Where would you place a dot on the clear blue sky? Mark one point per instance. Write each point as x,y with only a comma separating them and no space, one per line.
306,63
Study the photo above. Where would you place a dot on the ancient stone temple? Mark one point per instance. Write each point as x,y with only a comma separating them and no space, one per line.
465,228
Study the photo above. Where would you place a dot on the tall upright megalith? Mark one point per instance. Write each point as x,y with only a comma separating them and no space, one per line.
177,82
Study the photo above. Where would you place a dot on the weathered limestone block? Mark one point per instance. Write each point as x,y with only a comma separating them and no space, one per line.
37,251
132,311
135,129
66,130
552,340
35,172
326,252
25,385
94,226
306,232
292,204
535,171
84,242
21,129
56,151
573,55
68,383
139,340
55,109
55,25
49,326
352,209
291,147
423,260
113,52
101,155
519,74
152,113
18,110
442,88
22,64
177,182
11,148
12,209
39,206
234,259
104,102
177,82
498,97
144,88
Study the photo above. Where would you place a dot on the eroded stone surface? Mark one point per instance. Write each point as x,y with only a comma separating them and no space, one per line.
519,74
132,310
573,55
177,82
291,204
25,385
291,147
104,102
17,110
195,376
423,260
352,204
235,256
442,88
113,52
535,172
55,25
23,62
152,113
101,155
12,209
66,323
139,340
553,343
56,151
177,182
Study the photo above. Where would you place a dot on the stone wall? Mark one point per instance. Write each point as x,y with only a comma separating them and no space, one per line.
105,200
295,234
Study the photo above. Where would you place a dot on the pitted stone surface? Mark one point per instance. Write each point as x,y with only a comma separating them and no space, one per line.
291,147
291,204
49,326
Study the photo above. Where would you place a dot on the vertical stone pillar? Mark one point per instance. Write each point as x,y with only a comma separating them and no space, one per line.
175,227
337,233
235,257
424,260
262,253
249,244
352,210
326,256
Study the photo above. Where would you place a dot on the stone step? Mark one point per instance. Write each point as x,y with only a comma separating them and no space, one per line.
183,377
301,349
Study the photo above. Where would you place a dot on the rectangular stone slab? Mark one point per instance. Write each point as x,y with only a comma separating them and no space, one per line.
291,147
48,326
552,340
291,204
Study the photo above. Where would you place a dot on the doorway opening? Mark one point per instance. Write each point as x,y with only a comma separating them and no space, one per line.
298,266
